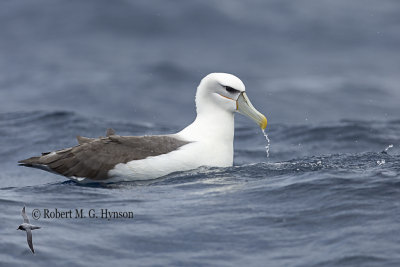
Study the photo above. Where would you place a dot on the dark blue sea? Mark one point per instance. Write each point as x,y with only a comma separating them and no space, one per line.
325,73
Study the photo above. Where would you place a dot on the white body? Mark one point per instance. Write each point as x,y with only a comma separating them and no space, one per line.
210,146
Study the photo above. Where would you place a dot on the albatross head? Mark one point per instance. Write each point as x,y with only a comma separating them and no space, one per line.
226,92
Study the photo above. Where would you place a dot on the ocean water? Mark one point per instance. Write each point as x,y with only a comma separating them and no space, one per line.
324,73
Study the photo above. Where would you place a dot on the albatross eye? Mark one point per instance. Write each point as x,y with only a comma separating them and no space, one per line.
231,90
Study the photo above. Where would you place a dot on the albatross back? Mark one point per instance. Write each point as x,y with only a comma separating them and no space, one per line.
94,157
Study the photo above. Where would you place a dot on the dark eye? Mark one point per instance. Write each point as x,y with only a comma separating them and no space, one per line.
231,90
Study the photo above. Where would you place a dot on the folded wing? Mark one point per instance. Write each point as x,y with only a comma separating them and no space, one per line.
94,157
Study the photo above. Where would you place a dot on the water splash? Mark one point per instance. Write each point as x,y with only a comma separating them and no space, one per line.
268,143
386,149
381,162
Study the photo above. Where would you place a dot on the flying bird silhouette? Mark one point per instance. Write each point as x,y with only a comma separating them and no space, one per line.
27,227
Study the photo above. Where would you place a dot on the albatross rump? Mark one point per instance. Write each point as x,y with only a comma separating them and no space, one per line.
208,141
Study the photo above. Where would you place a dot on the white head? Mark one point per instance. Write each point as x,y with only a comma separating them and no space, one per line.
223,92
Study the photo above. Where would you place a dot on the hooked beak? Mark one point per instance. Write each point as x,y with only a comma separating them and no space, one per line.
244,106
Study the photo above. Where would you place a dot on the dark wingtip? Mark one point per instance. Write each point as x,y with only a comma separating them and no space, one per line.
22,163
29,162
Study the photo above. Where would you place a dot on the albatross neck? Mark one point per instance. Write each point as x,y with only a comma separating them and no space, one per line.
215,125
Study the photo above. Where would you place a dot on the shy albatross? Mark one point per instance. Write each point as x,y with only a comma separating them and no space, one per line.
208,141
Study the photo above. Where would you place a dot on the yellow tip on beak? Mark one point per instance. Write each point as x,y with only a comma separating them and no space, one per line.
244,106
264,123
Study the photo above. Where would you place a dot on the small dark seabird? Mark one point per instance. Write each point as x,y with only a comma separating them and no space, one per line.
208,141
27,227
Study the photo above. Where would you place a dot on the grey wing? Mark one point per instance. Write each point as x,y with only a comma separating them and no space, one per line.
95,158
23,213
29,239
82,139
